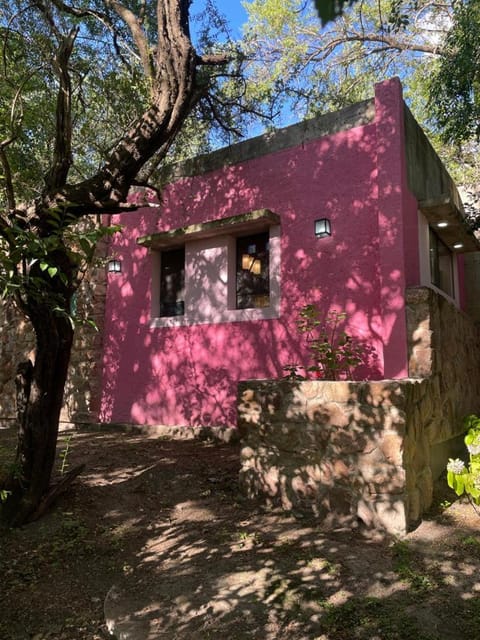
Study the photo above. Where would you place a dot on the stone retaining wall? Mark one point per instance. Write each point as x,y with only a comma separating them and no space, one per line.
444,345
83,388
366,452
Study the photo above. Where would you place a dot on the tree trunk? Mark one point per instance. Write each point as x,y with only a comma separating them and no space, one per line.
171,68
39,401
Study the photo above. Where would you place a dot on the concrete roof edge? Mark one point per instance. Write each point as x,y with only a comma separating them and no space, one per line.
358,114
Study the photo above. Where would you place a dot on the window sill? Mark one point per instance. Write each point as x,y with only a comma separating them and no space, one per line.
228,315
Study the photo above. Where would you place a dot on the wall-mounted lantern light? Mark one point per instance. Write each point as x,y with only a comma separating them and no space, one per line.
114,266
323,228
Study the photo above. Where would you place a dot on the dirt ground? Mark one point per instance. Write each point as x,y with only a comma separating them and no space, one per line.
159,525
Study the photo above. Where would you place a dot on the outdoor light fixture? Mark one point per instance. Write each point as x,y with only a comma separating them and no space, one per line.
323,228
114,266
442,225
459,245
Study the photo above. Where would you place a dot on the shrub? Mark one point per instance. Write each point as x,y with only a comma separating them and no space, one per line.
334,354
462,478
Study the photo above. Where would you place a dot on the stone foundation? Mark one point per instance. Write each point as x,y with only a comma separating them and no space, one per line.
366,452
347,452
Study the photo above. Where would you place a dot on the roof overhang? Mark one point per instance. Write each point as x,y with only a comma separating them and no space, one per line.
253,221
449,224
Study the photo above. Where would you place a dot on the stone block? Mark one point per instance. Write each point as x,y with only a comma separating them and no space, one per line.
379,475
421,362
327,413
390,514
381,393
391,445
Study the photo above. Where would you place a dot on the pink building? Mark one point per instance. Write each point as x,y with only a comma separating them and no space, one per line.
212,278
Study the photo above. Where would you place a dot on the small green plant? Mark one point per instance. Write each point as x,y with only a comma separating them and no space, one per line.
462,478
334,354
444,505
63,455
404,563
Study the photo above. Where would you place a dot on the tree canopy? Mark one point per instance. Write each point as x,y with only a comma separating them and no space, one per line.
301,69
95,93
455,88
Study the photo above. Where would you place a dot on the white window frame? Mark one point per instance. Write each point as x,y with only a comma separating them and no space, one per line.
199,308
425,270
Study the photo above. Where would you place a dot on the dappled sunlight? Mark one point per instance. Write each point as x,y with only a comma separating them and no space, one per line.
185,375
188,557
117,477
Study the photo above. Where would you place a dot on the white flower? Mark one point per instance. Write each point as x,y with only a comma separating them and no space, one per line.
473,449
456,466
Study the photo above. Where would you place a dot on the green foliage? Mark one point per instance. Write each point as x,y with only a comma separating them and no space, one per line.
405,567
465,479
300,66
334,354
63,455
328,10
300,69
109,88
454,89
29,265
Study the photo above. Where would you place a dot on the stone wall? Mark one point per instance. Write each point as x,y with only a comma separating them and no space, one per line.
344,451
366,452
84,383
83,388
444,346
16,345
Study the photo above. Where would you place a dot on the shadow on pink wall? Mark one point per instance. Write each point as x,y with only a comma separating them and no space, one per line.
188,375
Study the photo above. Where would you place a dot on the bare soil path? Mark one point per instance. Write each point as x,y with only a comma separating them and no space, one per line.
158,526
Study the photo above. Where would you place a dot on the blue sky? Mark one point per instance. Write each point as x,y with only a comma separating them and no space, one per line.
234,12
231,9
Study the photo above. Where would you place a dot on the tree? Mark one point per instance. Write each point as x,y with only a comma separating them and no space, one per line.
454,87
454,90
296,63
63,64
301,69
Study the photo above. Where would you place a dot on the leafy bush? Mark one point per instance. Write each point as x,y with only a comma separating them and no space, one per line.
334,354
462,478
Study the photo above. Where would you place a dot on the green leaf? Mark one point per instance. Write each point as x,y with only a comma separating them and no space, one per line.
86,245
52,271
328,10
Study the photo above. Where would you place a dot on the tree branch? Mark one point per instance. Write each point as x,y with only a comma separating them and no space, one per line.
9,190
138,34
62,156
212,59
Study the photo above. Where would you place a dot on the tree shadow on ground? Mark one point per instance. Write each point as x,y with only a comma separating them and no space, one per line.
160,526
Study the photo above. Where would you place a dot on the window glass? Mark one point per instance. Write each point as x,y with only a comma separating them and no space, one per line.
441,264
252,271
172,282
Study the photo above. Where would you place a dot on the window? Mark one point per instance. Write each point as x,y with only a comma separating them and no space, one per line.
253,271
441,264
225,270
172,282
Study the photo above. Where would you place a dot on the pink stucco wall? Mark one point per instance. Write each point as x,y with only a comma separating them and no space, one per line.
187,375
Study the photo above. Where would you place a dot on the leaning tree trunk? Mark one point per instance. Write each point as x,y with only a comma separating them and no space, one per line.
40,388
170,66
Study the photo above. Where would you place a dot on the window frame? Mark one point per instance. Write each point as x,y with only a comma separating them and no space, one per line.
426,276
179,304
227,312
